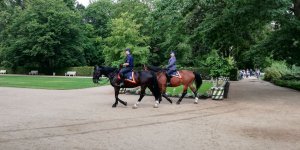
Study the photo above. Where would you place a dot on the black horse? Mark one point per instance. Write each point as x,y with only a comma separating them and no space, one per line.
145,79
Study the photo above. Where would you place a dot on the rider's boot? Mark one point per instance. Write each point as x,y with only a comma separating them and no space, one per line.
168,80
121,82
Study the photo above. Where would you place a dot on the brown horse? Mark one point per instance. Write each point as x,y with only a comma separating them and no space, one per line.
184,77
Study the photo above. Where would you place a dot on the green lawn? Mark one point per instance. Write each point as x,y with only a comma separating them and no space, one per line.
43,82
178,90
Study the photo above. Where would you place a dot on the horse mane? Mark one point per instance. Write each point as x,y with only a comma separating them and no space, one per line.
106,70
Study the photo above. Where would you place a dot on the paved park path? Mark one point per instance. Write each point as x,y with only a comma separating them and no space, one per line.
256,116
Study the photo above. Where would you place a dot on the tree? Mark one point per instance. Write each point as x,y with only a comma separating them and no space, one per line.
96,18
140,9
169,31
296,8
282,41
92,45
46,34
125,34
99,14
70,4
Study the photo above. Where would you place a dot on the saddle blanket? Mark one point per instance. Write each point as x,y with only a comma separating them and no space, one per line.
129,75
175,74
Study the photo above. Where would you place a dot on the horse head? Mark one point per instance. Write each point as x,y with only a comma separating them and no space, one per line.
97,74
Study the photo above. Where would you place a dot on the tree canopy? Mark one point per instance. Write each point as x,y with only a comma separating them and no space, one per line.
60,33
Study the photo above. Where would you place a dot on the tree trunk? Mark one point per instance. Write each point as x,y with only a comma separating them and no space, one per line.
296,8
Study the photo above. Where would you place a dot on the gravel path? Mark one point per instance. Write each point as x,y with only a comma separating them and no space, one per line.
256,116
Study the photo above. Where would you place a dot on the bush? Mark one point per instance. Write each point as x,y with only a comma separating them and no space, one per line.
271,74
277,70
17,70
219,66
290,77
294,84
281,75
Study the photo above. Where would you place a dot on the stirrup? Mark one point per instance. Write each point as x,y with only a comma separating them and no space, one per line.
168,83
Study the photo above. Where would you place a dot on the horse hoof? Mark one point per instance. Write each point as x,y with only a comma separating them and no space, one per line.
134,106
156,104
125,103
177,103
114,106
196,100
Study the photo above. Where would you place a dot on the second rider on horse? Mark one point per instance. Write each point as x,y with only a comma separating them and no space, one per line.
127,66
171,67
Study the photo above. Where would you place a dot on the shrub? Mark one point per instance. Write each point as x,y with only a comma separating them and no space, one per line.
82,71
294,84
295,71
277,70
271,74
220,66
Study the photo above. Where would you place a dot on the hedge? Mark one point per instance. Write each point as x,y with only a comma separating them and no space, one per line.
294,84
81,71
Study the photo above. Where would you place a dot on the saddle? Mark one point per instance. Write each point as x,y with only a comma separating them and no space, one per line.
129,76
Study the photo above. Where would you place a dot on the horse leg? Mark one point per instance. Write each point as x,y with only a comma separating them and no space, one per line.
195,93
122,102
163,91
117,90
183,94
167,98
143,89
157,100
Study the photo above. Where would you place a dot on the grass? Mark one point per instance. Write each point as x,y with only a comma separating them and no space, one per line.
43,82
178,90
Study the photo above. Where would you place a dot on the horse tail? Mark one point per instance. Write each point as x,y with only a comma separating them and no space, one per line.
156,90
198,80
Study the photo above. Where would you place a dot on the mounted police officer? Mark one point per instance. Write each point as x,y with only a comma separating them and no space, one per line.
128,66
171,67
